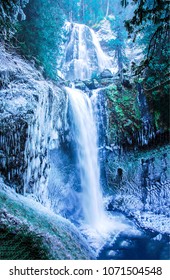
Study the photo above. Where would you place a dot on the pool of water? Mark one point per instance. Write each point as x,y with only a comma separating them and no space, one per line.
149,245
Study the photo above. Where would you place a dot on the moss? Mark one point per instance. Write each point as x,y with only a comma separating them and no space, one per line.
158,101
36,233
124,112
23,245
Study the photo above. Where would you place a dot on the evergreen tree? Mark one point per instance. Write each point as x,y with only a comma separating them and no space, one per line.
119,44
71,9
151,21
92,11
152,14
40,34
10,12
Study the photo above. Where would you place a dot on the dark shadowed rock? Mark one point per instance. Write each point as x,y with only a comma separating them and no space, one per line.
107,81
91,84
80,85
127,84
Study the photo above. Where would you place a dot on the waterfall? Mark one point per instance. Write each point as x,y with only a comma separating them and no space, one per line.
85,134
83,54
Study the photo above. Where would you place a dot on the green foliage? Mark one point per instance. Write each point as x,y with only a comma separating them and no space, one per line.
124,113
151,18
10,11
158,100
21,245
119,43
151,22
156,76
40,34
29,232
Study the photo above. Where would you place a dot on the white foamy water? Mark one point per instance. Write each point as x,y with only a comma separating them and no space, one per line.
85,135
97,223
84,55
108,231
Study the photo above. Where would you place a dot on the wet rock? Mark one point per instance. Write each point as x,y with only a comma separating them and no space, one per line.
92,84
96,84
80,85
106,74
106,81
127,84
110,207
145,182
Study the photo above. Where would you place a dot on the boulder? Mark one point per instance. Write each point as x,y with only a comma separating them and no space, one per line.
106,74
91,84
107,81
37,233
126,84
80,85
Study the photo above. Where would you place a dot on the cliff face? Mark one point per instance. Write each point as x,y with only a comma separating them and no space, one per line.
30,108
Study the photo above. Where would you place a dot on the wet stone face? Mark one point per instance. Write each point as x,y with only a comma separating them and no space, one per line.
12,145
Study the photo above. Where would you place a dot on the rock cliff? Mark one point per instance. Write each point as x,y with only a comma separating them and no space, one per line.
26,99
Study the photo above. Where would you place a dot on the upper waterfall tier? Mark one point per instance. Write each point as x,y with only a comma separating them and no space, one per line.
83,54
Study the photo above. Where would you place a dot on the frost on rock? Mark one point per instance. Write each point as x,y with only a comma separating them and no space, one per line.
36,232
31,108
142,190
10,12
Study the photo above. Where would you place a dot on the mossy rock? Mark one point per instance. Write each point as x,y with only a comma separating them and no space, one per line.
29,231
124,113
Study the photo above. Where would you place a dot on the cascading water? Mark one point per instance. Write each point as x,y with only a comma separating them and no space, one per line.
83,54
97,224
85,135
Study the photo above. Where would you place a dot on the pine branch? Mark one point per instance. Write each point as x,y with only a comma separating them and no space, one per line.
158,86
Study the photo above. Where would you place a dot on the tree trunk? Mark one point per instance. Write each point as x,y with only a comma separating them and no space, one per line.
108,6
82,10
120,63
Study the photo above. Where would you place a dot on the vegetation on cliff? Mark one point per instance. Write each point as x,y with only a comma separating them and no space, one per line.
40,34
10,13
124,114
